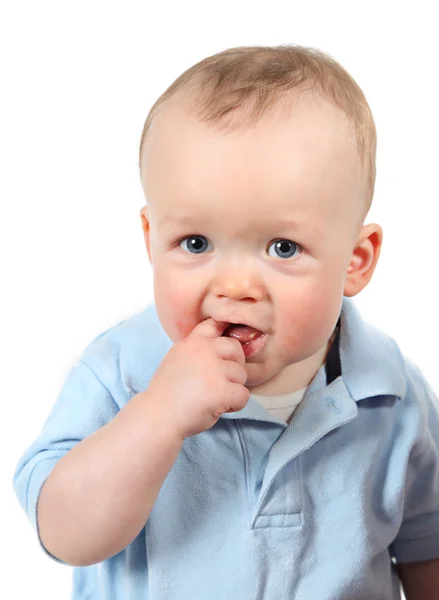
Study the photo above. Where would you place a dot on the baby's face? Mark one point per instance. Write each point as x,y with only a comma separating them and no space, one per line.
254,227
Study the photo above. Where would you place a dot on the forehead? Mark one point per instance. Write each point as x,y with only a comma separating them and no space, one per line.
301,158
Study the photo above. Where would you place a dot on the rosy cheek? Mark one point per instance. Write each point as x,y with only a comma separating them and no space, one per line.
304,319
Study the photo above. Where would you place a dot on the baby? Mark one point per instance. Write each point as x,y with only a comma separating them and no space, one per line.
248,436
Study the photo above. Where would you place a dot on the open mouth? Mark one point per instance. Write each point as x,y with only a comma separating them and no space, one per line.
251,339
242,333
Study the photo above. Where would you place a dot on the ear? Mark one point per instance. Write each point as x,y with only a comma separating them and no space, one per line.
146,230
364,259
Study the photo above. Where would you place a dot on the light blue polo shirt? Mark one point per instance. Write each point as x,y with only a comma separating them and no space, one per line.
254,508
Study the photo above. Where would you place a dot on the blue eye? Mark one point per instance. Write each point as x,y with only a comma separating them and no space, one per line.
284,248
195,244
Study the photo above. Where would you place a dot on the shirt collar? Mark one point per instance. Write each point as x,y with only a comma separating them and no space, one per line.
371,361
371,365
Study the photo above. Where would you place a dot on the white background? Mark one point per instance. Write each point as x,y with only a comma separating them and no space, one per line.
77,80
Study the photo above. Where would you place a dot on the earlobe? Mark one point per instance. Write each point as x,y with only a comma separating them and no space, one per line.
146,229
364,259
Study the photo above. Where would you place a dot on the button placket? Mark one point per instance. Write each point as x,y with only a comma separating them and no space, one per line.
319,413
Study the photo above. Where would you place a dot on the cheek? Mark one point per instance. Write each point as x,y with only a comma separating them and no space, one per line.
308,316
176,304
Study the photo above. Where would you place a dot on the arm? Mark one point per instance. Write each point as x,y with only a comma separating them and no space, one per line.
420,580
416,547
100,494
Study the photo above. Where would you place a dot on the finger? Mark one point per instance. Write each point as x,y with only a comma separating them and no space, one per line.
235,372
210,328
229,349
239,397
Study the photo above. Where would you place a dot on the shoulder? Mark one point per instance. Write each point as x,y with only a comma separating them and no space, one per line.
422,404
125,356
416,408
140,330
375,369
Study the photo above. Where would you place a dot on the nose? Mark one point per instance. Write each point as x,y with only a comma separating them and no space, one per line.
238,282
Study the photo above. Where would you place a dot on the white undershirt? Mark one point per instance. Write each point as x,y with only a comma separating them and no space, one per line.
282,407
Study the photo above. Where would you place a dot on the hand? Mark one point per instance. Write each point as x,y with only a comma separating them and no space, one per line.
200,378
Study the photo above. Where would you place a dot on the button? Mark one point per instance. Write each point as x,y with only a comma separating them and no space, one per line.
333,404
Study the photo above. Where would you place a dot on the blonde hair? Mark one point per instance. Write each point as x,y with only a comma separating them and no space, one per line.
259,78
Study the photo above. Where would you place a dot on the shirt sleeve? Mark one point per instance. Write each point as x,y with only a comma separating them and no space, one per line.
418,537
82,407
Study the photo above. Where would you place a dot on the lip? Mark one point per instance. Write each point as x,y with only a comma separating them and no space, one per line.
255,346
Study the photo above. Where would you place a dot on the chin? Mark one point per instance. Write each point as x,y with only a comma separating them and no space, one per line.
256,377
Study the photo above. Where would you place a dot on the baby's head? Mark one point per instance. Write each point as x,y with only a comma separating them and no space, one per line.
258,167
